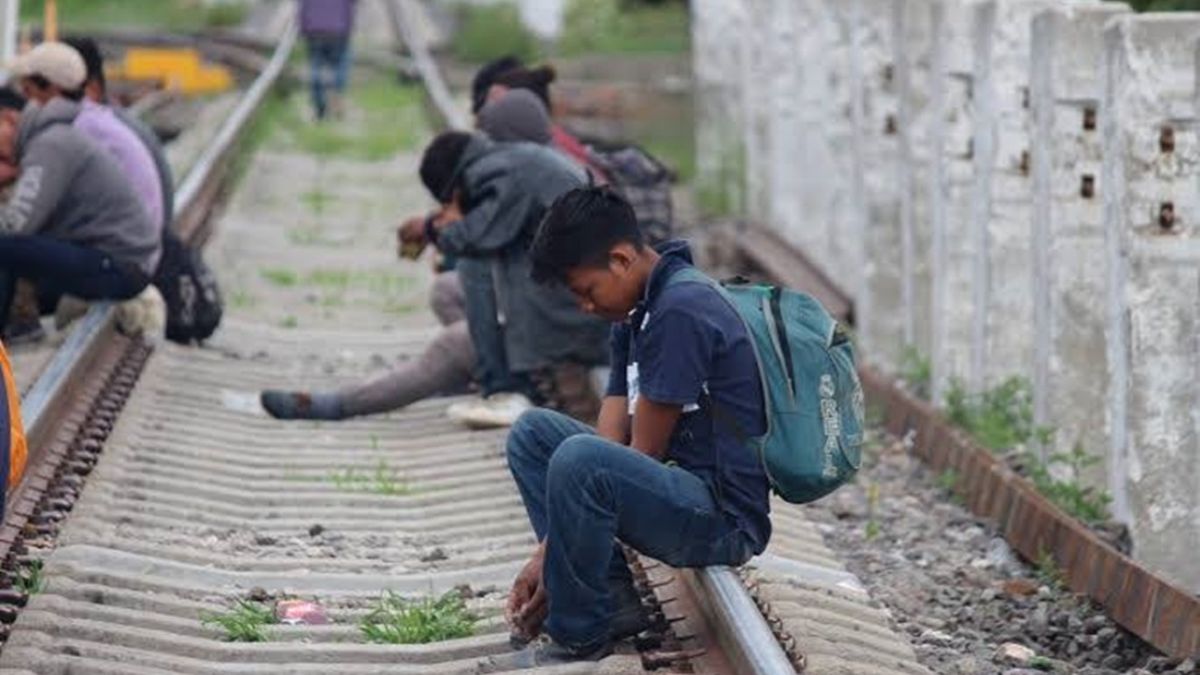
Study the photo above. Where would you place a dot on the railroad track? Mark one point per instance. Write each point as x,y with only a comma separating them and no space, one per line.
194,499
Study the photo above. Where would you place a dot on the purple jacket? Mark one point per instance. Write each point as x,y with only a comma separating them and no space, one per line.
327,17
105,129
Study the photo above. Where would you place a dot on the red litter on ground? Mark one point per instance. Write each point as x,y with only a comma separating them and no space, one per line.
300,612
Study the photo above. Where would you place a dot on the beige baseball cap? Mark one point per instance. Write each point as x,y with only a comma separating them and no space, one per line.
59,63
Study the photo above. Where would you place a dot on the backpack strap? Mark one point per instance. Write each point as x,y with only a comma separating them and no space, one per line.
690,274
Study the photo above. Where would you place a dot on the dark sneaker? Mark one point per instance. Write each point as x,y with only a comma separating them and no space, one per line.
301,405
631,616
542,652
23,333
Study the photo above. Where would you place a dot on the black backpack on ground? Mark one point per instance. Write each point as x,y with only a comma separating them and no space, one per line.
188,286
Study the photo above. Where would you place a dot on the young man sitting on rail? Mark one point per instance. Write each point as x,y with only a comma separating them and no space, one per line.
74,223
664,472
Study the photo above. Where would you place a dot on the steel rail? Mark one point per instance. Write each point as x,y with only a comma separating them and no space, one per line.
71,359
742,630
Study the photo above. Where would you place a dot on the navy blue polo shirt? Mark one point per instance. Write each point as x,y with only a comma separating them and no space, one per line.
684,345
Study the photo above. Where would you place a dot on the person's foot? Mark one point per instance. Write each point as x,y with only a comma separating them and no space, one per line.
300,405
543,652
630,617
23,333
494,412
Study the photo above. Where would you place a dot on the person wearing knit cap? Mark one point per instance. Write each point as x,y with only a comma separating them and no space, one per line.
517,116
537,81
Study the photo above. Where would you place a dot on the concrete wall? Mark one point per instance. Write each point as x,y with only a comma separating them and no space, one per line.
992,181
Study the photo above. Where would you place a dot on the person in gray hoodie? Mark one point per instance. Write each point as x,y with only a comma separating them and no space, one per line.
74,223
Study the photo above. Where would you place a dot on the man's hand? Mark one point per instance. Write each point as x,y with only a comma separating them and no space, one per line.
527,602
450,213
410,237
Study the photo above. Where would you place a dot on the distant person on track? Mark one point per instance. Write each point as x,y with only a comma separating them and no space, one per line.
327,26
507,73
74,223
667,470
13,451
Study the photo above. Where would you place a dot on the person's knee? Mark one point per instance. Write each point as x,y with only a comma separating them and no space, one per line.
576,461
522,437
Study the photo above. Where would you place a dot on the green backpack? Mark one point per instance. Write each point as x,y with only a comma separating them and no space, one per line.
813,398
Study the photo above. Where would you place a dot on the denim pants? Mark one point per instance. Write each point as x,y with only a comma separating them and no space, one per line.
327,53
583,493
487,333
58,267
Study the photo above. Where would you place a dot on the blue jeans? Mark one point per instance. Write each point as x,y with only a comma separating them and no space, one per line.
487,334
583,494
327,53
58,267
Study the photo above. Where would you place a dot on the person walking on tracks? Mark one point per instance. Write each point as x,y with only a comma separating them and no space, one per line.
327,25
667,470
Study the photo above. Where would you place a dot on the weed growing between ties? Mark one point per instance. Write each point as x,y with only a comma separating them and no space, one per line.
246,622
382,480
30,579
280,277
395,620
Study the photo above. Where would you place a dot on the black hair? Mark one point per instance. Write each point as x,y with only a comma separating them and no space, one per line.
75,95
485,77
580,229
536,80
440,162
92,58
11,100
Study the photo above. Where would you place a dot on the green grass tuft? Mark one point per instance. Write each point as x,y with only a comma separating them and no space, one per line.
279,276
31,580
487,32
1085,503
395,620
169,15
608,27
244,623
1000,418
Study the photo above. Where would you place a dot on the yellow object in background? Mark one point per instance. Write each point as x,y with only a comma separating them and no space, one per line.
179,69
51,22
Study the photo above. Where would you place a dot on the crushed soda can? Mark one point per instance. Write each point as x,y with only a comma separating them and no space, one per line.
300,613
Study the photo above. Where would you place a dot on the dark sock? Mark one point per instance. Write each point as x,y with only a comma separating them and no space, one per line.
301,405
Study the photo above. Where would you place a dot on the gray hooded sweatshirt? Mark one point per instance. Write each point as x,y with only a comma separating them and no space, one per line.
509,187
72,190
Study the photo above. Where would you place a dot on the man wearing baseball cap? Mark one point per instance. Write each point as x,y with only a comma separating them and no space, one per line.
74,224
60,70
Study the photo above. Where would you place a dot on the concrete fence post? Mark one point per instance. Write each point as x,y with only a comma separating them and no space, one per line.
1069,364
951,192
1151,211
